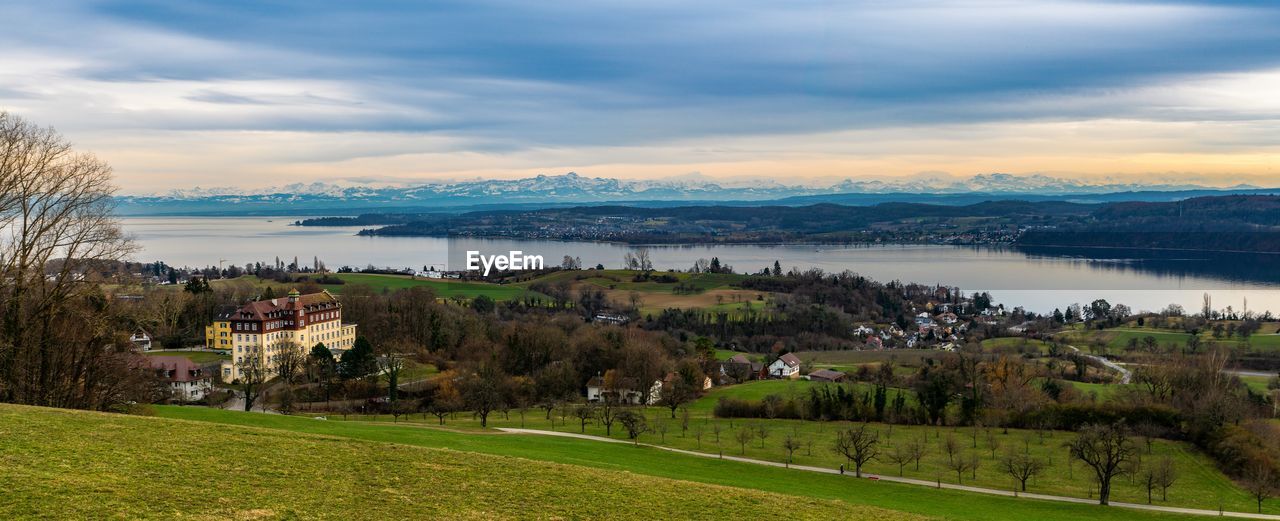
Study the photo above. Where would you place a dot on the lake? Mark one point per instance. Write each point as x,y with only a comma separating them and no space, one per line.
1038,279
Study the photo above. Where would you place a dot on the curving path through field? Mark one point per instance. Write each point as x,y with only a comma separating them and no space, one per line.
1125,374
909,481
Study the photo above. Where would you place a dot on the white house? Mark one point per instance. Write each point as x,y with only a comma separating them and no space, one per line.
141,339
187,381
628,390
786,366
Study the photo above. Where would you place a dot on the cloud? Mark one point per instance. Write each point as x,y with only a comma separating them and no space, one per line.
461,85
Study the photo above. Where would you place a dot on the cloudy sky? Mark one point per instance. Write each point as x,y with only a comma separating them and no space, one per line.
253,94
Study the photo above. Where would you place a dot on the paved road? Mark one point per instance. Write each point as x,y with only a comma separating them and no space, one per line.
236,403
1125,374
910,481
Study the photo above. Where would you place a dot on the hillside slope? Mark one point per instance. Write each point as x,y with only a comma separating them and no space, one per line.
73,464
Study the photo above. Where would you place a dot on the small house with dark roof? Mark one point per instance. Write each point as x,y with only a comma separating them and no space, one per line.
187,380
827,375
786,366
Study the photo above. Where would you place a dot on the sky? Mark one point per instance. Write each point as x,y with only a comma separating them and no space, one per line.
254,94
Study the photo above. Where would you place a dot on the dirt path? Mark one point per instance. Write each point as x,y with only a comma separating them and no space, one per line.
909,481
1125,374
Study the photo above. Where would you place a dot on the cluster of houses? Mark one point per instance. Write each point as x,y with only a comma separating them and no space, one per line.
942,330
631,392
188,381
739,368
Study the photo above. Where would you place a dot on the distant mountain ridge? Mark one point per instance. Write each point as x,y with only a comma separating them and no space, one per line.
571,188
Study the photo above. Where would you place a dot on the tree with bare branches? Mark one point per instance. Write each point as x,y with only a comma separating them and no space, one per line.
1021,467
253,377
1105,449
1261,482
59,236
790,444
858,445
899,454
744,436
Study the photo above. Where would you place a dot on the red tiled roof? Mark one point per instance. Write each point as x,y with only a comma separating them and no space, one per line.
184,370
263,309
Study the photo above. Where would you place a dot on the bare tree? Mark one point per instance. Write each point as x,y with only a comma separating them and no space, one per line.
900,455
57,234
918,448
1105,449
289,362
1021,467
744,436
762,432
634,423
675,393
481,390
698,432
790,444
1261,482
961,464
442,406
950,447
661,427
858,445
584,413
1166,473
253,377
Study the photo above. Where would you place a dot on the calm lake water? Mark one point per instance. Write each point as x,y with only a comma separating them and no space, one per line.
1040,279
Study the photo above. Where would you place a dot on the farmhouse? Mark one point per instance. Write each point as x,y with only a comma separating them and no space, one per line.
187,381
739,368
786,366
627,389
141,339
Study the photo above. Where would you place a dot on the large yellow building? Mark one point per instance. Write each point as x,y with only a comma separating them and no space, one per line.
266,328
218,334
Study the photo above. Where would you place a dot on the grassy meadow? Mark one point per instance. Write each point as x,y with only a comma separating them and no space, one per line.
643,461
199,357
1117,339
152,468
1200,484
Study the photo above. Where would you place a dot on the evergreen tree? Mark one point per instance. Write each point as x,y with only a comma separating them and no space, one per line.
357,361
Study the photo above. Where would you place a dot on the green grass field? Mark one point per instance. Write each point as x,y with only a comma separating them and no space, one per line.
131,469
199,357
1118,338
911,357
1200,484
652,462
758,389
1015,345
444,288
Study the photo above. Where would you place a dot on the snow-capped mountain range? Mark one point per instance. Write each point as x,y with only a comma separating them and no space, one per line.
572,188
